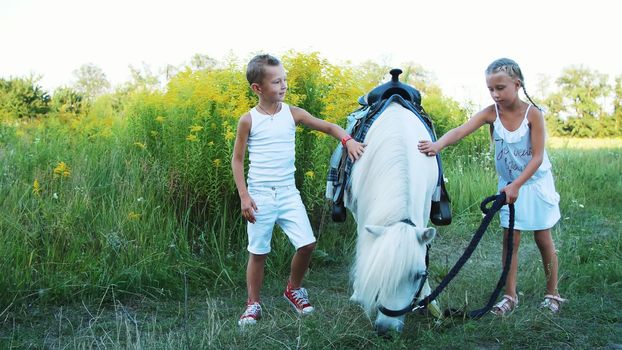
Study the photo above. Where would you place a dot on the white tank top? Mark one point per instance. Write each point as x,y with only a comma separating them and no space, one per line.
513,151
272,148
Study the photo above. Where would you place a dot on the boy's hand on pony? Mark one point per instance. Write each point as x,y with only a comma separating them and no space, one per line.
428,148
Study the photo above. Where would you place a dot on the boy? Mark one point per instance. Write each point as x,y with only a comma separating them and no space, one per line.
269,130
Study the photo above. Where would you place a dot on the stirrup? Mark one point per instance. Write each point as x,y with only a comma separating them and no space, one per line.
440,212
338,213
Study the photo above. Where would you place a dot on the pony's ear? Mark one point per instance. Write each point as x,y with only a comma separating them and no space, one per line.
427,234
375,229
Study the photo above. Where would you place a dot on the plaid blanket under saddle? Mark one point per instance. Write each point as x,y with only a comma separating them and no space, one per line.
358,124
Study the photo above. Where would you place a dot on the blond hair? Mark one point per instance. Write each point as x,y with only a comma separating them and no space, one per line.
511,68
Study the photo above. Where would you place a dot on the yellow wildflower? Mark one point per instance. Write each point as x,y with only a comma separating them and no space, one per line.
62,169
133,216
211,143
196,128
105,133
217,162
318,134
140,145
310,174
36,189
160,119
229,135
192,138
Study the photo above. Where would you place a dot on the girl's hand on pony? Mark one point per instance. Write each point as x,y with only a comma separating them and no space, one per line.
511,193
428,148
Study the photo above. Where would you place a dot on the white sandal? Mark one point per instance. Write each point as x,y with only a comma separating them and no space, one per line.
505,306
553,303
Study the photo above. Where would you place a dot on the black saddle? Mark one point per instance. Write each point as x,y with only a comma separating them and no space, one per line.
440,213
393,87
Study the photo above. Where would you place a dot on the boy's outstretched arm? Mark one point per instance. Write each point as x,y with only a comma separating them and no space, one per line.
456,134
247,204
355,149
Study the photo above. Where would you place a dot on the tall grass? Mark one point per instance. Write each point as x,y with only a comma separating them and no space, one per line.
81,215
115,240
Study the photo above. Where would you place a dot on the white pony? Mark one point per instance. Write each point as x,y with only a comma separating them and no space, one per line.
390,199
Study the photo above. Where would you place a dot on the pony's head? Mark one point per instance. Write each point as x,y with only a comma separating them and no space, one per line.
387,270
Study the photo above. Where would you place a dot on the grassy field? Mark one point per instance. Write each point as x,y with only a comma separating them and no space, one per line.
588,238
574,143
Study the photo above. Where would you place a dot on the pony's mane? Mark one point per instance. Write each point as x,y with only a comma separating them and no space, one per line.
387,171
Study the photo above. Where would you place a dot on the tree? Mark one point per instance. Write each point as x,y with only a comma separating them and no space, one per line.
143,79
555,120
372,74
90,81
200,62
414,74
583,96
169,71
22,98
580,107
66,100
617,106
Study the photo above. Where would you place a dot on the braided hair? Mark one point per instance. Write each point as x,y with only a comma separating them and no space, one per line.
513,70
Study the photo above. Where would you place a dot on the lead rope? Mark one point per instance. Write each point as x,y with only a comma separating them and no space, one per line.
499,201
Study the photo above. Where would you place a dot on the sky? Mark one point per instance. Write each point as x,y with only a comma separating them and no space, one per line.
453,40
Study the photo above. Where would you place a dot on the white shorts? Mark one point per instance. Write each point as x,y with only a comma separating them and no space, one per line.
537,206
282,206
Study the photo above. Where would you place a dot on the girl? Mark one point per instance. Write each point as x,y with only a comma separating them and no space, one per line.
524,169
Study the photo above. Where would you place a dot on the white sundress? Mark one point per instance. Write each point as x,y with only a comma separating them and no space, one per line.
537,206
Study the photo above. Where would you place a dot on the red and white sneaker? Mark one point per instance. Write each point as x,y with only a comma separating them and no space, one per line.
251,315
299,299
